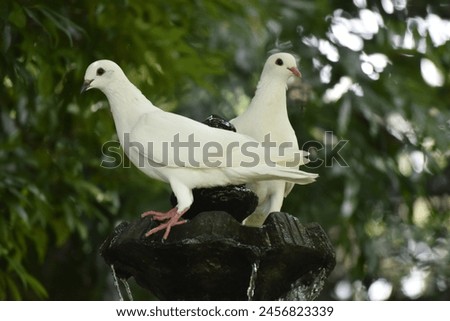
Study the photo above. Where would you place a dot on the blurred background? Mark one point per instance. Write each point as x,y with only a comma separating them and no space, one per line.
375,74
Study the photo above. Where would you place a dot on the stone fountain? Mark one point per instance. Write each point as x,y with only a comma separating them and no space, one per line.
214,257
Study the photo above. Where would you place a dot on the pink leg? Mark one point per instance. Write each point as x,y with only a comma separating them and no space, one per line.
173,219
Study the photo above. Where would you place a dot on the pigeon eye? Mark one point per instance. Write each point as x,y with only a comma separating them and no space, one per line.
100,71
279,62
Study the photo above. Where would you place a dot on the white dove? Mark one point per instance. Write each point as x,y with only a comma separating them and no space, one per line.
267,114
180,151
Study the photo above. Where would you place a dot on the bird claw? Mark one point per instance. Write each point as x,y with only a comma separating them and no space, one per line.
173,219
167,226
158,216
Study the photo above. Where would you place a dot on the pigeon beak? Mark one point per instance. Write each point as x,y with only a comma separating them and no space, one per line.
295,71
86,85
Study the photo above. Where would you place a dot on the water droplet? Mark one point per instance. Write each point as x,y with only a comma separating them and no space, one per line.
127,288
116,282
252,283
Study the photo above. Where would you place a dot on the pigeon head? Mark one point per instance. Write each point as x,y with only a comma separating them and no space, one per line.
282,65
100,74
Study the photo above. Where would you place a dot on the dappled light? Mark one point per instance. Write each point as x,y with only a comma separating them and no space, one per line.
380,290
372,108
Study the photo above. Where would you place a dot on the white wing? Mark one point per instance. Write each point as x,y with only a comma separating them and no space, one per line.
172,140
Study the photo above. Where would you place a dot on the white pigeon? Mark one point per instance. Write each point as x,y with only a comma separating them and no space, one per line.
180,151
267,114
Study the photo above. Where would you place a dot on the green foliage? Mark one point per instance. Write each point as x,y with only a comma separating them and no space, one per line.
385,214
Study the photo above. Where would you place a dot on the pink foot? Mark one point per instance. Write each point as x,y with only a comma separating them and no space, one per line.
160,216
173,219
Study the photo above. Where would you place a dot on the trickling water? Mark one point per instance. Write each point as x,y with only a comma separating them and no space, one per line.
302,291
252,283
127,287
116,282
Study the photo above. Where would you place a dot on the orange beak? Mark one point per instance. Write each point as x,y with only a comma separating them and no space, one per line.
295,71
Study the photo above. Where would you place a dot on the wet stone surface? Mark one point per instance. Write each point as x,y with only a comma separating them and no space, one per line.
211,258
218,122
236,200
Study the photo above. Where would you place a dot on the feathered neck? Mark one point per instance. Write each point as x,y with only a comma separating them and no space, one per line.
270,97
127,103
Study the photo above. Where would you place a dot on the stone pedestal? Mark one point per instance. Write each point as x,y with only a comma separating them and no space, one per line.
212,256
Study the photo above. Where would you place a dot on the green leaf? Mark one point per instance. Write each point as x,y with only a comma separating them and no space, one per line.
61,22
344,114
6,39
18,17
12,288
36,286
